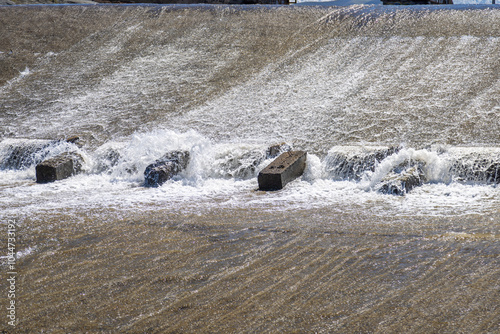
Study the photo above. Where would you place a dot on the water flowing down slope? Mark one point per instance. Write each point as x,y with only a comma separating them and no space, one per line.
316,76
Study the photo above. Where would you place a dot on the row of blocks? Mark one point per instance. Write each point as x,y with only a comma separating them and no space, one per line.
285,168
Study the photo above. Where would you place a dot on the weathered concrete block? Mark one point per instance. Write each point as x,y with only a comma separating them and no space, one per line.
287,167
59,167
165,168
400,183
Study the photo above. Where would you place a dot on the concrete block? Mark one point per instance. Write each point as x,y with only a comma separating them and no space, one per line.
165,168
59,167
287,167
400,183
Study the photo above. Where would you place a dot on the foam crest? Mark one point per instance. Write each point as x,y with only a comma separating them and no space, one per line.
371,166
126,159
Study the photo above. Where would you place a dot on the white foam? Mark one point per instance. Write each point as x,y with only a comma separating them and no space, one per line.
224,175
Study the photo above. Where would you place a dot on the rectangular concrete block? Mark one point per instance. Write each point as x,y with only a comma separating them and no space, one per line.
285,168
59,167
402,182
165,168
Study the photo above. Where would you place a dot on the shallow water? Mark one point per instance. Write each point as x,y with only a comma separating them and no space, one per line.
207,251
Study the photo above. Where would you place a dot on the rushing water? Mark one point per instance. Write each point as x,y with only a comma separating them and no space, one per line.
370,92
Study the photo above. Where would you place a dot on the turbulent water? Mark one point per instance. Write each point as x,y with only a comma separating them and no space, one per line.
372,93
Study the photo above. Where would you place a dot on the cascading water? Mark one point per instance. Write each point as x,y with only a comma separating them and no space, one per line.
385,101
